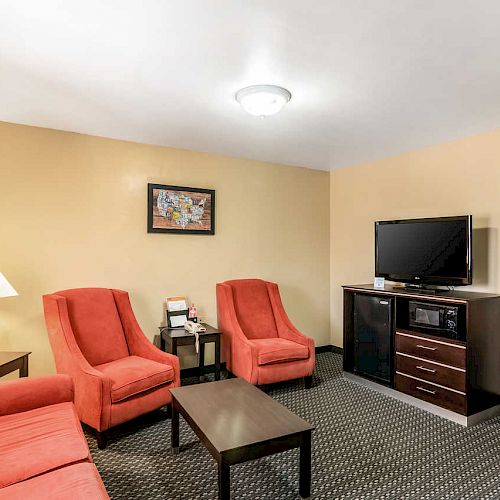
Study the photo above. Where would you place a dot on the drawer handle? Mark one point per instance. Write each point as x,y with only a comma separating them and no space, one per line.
423,368
425,390
428,348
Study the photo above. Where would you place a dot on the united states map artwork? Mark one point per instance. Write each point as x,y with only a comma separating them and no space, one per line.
181,210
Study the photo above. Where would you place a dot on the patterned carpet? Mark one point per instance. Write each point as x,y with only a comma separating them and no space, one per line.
366,446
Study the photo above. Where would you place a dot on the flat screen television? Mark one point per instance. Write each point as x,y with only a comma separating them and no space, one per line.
433,251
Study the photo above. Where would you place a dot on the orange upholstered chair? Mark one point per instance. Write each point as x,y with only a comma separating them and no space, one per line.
259,341
118,373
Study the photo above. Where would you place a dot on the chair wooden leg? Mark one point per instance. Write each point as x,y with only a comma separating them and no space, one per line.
308,381
102,439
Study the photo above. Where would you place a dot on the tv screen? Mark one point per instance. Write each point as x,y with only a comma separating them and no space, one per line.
428,251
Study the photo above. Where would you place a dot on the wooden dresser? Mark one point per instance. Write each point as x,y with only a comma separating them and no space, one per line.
432,369
461,374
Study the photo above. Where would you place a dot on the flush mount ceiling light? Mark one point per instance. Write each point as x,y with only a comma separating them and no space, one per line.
263,100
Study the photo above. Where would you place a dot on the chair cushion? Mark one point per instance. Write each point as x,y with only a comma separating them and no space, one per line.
279,351
78,482
96,324
39,440
133,375
253,308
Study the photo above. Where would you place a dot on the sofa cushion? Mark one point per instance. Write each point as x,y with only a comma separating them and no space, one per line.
253,308
133,375
78,482
278,351
39,440
96,324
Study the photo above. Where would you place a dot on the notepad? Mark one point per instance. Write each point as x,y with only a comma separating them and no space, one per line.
176,321
176,304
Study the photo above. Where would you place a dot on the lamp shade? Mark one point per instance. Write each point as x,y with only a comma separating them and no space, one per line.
6,289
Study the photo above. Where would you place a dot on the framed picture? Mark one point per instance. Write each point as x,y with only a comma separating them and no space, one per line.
181,210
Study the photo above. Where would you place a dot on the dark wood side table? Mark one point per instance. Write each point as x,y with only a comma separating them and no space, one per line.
11,361
238,422
172,338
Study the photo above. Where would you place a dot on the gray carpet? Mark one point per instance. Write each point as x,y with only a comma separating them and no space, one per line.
366,446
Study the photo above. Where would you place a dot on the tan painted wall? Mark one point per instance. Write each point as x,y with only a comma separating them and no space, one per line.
73,214
461,177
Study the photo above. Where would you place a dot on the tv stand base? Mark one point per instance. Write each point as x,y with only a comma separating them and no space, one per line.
464,420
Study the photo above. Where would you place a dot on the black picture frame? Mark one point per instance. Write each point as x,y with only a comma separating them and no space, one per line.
179,230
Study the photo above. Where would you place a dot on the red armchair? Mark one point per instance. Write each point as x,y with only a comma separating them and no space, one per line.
118,373
260,343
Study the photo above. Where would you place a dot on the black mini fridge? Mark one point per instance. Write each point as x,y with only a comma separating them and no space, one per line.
373,336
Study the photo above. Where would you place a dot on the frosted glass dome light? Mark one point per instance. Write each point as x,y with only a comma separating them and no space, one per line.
263,100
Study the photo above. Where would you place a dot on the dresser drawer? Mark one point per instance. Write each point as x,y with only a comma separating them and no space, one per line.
432,372
432,393
433,350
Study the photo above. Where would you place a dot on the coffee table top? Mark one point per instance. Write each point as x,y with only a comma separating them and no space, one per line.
233,413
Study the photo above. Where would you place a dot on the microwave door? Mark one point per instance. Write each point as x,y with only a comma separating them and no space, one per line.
427,317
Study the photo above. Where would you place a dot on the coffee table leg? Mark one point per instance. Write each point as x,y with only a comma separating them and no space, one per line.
224,481
305,466
175,429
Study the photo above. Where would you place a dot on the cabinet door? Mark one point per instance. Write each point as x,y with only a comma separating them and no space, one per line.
373,336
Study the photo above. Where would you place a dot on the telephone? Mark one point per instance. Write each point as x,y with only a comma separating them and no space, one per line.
195,329
191,327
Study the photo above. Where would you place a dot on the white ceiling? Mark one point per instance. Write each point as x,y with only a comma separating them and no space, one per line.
369,78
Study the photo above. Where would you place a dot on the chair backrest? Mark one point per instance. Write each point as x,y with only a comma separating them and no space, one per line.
96,324
253,308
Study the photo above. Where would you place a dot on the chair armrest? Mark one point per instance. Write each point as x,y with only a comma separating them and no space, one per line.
145,349
226,315
93,397
92,387
240,354
138,343
29,393
286,329
244,360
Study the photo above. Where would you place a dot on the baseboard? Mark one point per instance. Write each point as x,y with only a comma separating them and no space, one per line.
328,348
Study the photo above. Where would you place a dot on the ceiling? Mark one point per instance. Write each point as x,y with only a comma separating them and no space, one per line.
369,78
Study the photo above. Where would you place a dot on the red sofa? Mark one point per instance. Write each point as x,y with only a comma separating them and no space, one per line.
118,373
43,452
260,343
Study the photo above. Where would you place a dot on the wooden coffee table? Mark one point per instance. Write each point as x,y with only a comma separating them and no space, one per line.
238,422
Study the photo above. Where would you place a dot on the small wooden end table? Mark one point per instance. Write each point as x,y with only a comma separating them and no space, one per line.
11,361
238,422
172,338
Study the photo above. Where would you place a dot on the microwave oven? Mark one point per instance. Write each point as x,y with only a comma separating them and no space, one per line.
439,318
